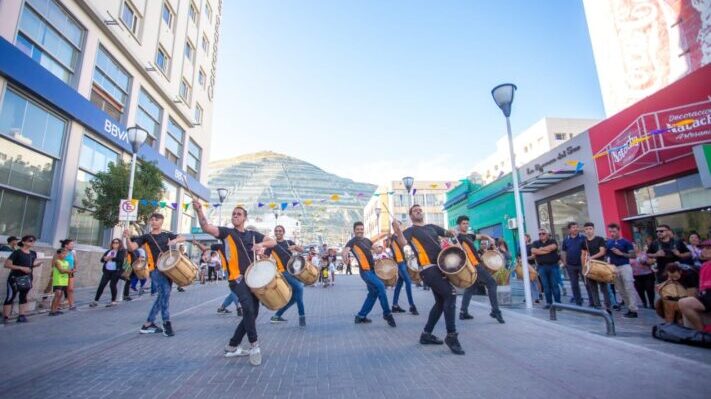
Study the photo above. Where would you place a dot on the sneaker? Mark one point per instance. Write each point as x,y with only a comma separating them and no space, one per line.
22,319
134,289
127,298
93,304
150,329
430,339
497,316
453,343
255,356
181,289
362,320
72,307
222,310
110,304
413,310
465,316
277,319
398,309
630,315
53,313
235,351
167,329
390,319
240,313
302,321
617,307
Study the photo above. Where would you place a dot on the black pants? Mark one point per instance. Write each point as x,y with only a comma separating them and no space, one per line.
348,269
644,285
211,275
250,307
445,299
110,277
485,279
575,274
127,285
12,292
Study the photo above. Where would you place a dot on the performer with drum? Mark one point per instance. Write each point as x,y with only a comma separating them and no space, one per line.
231,297
282,253
361,248
403,278
239,245
483,275
154,244
424,239
594,248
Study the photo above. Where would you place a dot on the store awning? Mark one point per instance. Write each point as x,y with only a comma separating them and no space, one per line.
546,180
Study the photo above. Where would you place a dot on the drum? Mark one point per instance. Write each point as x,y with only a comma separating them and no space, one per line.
493,260
413,266
177,267
386,270
667,307
302,270
267,284
600,271
453,262
140,268
532,273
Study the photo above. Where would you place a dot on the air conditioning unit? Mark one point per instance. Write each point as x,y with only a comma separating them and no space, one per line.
511,223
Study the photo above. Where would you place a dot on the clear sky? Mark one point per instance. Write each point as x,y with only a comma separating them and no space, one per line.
375,90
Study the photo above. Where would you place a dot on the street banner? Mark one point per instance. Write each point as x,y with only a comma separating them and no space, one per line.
128,210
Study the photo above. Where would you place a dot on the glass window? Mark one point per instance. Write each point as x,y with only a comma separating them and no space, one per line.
25,169
555,214
174,142
85,228
95,157
201,77
111,77
149,116
192,12
189,51
671,195
208,11
83,182
167,16
30,124
198,114
184,90
129,17
162,60
205,44
194,157
20,214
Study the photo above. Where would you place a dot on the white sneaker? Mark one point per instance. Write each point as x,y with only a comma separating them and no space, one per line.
235,351
255,356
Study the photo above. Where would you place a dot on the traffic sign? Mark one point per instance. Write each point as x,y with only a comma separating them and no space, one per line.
128,210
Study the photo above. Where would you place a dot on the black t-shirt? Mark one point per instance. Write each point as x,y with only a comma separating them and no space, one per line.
468,244
20,258
425,242
550,258
238,249
154,245
669,256
281,253
594,246
361,248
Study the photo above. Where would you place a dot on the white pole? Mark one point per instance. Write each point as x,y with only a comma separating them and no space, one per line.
133,172
519,220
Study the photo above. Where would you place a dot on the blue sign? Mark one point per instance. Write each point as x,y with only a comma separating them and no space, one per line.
30,75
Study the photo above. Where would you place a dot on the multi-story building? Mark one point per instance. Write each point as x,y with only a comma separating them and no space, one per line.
74,75
530,144
394,201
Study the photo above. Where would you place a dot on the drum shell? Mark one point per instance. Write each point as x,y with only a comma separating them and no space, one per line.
465,275
532,273
308,274
182,272
387,271
493,261
275,294
599,271
414,275
140,268
667,306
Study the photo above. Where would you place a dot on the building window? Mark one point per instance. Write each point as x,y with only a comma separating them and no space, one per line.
50,36
20,214
560,136
205,44
185,90
148,116
28,123
670,196
162,60
111,85
174,142
167,16
193,161
201,77
192,13
24,169
129,17
198,114
189,51
208,11
555,213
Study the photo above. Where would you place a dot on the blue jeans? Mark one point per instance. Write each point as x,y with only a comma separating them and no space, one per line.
163,286
229,300
551,289
297,295
376,291
135,280
558,274
403,278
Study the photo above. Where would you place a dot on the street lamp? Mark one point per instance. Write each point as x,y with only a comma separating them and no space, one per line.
377,217
503,96
222,196
136,136
408,182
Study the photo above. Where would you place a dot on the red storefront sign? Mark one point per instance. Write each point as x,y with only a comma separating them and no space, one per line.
697,132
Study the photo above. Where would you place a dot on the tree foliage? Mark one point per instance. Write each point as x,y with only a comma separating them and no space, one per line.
107,189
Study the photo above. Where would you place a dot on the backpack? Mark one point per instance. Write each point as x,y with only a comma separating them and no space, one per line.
678,334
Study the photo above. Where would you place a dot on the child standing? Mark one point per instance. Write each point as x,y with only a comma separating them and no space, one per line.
60,280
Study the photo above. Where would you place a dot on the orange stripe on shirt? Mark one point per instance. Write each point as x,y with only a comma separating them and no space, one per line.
233,262
362,259
421,253
149,257
397,252
470,254
279,263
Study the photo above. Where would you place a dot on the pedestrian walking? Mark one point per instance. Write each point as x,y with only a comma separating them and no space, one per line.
110,272
643,277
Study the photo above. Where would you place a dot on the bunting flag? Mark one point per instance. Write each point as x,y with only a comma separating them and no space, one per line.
272,205
144,202
294,204
308,202
162,204
579,167
284,205
174,205
414,190
448,185
434,185
335,197
260,204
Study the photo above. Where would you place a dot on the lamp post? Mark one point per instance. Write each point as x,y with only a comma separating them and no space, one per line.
222,196
136,136
377,218
408,182
503,96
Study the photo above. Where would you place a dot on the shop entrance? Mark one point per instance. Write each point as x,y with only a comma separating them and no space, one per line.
682,223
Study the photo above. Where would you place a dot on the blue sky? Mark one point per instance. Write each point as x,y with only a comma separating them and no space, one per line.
374,90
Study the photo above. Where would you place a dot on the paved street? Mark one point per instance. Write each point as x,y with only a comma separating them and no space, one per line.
95,353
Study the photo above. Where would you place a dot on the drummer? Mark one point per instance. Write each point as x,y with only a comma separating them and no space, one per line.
424,239
282,253
239,245
403,277
361,248
154,244
483,275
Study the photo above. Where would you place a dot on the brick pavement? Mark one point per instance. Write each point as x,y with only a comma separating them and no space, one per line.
96,353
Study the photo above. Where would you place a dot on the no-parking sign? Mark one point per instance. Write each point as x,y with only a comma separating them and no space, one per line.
128,210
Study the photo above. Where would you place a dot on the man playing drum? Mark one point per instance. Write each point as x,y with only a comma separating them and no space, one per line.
154,244
595,249
361,248
282,253
239,245
402,279
483,275
425,241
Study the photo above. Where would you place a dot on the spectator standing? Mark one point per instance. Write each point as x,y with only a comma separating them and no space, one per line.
573,249
545,250
71,257
643,277
19,282
620,252
665,250
594,249
12,244
110,272
60,280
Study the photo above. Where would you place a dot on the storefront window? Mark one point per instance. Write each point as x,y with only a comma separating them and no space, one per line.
672,195
30,124
555,213
20,214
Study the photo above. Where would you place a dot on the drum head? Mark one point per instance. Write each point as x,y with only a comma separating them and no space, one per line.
139,264
260,273
413,265
451,259
168,259
493,260
386,268
296,264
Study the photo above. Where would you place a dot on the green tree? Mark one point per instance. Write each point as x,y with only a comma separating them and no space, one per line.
108,188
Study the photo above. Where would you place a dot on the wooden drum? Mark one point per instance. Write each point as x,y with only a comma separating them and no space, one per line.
177,267
140,268
667,307
493,260
302,269
600,271
267,284
413,266
386,270
453,262
532,273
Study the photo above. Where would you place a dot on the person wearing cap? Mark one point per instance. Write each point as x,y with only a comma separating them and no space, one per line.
12,244
693,307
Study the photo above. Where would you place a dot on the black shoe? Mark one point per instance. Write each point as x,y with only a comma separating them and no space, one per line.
617,307
413,310
608,311
21,319
398,309
390,319
302,321
240,313
453,343
360,320
167,329
630,315
430,339
465,316
181,289
151,329
497,316
222,310
277,319
127,298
